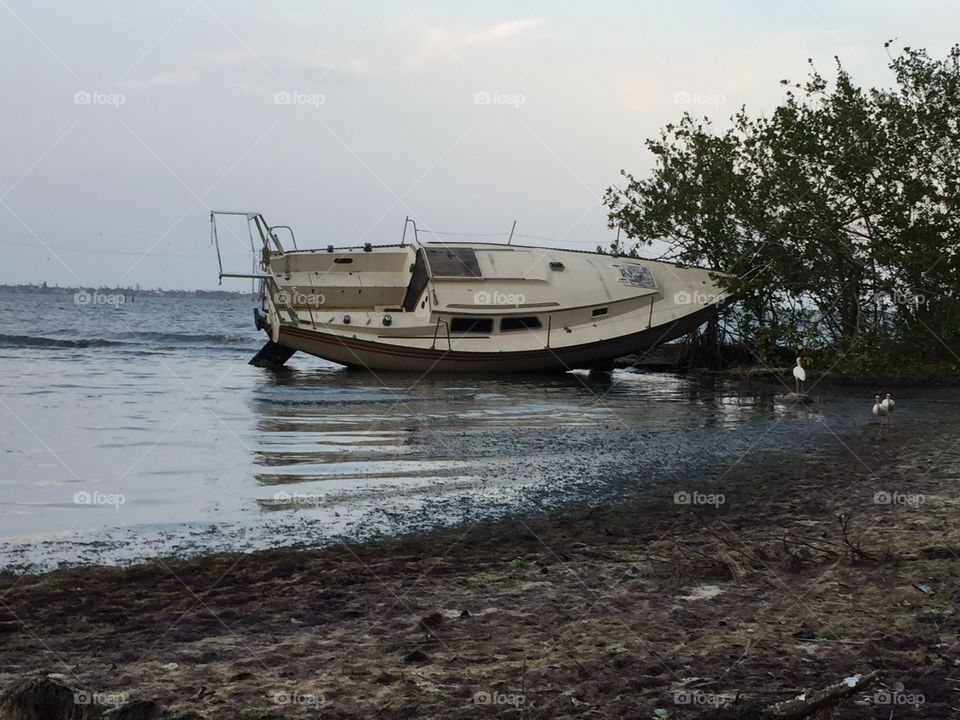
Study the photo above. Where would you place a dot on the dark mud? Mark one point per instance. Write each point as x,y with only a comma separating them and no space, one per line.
775,577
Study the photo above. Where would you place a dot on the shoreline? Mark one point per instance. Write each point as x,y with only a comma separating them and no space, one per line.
616,610
665,359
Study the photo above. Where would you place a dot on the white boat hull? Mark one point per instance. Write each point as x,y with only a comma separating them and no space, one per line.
378,357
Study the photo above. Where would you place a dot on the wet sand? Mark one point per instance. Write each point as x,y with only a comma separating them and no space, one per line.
798,577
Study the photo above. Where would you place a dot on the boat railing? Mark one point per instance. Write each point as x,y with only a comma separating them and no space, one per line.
436,331
268,238
416,235
272,293
293,238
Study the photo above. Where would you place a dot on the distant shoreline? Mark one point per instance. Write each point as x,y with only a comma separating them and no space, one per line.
126,292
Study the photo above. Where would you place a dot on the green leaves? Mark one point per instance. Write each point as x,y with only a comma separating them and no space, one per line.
839,213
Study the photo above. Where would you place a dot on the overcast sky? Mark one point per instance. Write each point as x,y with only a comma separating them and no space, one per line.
124,123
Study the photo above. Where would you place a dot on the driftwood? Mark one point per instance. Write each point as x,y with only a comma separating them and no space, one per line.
853,546
814,701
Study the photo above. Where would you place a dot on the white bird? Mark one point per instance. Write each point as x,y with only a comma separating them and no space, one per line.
889,404
801,375
881,410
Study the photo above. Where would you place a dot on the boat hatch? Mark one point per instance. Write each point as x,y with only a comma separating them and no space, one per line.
453,262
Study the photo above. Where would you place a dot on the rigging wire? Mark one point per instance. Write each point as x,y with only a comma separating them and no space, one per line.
500,234
460,234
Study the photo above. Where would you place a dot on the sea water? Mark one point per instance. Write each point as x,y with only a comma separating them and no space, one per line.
137,429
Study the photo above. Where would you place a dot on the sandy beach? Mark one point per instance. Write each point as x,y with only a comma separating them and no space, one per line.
767,580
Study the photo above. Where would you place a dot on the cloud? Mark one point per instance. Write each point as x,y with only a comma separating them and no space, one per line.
439,43
500,32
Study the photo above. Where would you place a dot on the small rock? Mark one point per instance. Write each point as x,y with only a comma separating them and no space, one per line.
416,656
431,622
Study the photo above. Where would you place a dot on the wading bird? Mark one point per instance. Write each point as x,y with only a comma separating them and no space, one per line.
801,376
890,404
881,410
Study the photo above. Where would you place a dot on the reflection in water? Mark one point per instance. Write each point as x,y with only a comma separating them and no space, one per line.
333,436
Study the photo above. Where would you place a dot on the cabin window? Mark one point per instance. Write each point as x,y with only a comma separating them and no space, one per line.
520,323
471,325
600,312
343,260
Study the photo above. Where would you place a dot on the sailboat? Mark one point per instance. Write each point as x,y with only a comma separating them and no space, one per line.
466,307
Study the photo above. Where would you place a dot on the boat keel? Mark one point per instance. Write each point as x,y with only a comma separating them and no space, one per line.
272,355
